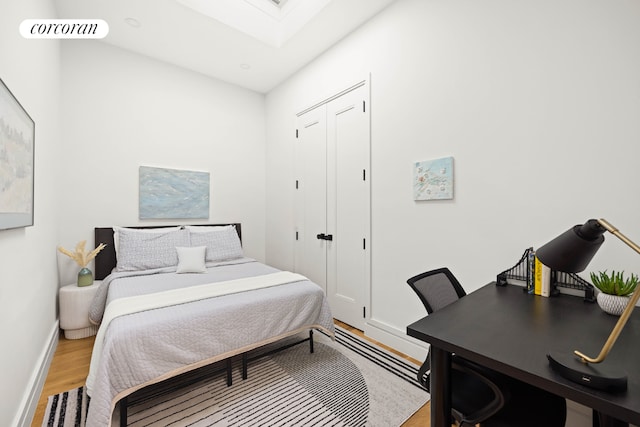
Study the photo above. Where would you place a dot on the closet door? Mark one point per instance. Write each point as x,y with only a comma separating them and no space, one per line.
348,206
311,196
332,201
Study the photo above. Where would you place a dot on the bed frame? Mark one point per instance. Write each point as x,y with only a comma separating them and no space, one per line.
105,261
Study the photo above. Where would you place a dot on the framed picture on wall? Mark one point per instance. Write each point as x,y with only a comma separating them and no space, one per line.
433,179
173,194
17,137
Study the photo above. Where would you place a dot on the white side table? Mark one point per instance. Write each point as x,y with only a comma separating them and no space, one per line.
74,310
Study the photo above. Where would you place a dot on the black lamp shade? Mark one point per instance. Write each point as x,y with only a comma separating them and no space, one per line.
572,251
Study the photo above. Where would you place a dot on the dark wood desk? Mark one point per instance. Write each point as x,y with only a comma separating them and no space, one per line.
510,331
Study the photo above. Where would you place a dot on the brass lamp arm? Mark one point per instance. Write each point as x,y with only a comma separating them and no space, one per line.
628,309
611,229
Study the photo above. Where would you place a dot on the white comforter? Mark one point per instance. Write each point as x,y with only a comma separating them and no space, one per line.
146,347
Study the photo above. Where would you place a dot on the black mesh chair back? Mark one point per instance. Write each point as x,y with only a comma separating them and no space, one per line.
436,288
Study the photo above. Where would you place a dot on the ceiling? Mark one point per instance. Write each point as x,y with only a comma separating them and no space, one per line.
172,32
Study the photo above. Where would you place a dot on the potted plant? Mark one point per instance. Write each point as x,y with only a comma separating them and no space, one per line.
614,290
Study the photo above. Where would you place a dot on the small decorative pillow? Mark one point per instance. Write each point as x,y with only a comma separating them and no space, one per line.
222,242
144,250
191,259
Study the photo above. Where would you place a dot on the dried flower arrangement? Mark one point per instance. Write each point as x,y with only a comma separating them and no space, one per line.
79,255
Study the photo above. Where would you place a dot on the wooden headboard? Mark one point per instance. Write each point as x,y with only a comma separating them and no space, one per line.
106,259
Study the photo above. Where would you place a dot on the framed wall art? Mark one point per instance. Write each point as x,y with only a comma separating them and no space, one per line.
173,194
17,138
433,179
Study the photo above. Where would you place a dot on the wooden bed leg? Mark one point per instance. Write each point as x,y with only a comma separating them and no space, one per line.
123,411
244,366
229,373
311,340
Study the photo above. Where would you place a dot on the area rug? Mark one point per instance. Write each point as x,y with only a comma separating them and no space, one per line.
349,382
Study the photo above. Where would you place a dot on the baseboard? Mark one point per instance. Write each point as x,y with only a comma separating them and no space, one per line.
396,339
30,400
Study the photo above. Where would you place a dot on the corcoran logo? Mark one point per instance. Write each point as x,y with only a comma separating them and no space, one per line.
64,28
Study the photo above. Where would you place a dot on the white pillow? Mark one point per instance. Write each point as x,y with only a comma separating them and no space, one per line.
222,242
145,250
116,233
191,259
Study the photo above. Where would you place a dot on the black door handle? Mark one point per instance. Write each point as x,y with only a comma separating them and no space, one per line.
323,236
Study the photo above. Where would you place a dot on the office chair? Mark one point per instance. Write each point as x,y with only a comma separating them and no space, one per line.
481,395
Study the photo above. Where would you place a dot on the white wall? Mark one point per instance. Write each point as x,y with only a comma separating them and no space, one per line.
122,110
538,103
28,283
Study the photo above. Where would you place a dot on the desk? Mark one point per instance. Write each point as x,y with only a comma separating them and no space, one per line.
510,331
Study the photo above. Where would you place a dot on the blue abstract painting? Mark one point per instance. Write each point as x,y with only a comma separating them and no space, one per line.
173,194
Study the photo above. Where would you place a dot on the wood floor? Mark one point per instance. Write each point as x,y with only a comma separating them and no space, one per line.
70,366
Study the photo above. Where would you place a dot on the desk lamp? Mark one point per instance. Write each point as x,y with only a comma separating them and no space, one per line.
571,252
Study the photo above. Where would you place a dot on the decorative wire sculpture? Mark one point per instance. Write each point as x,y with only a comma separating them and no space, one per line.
523,272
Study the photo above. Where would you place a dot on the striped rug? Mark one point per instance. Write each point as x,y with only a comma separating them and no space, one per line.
349,382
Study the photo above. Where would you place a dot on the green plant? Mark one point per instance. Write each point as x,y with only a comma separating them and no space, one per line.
614,283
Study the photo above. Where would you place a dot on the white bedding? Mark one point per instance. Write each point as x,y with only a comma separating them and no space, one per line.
146,347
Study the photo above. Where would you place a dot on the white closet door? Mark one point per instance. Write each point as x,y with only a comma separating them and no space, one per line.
348,206
311,196
332,201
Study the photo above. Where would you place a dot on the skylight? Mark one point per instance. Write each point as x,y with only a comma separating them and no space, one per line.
270,21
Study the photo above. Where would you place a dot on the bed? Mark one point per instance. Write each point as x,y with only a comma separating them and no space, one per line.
177,298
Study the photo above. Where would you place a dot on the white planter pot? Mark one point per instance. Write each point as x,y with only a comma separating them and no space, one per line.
612,304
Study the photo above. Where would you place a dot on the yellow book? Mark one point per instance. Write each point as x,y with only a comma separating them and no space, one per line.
537,277
542,279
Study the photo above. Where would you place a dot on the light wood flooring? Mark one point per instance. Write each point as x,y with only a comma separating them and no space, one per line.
70,366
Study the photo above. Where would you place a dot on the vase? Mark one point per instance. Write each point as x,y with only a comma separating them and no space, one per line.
612,304
85,277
